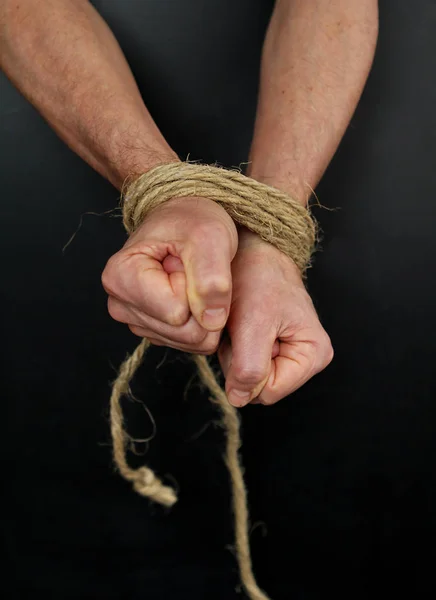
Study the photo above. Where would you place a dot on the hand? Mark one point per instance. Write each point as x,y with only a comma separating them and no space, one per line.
275,341
172,283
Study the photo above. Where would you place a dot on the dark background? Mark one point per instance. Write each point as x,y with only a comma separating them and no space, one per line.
342,473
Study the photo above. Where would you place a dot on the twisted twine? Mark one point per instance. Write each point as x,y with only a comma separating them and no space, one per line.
276,218
273,215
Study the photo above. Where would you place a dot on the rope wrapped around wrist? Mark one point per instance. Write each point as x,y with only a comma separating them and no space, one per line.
275,217
272,214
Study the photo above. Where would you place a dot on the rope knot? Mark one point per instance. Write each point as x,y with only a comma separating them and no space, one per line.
147,484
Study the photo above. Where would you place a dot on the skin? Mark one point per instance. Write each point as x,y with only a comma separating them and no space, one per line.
187,262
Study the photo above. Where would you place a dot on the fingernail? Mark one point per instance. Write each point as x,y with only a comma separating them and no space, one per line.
238,398
214,318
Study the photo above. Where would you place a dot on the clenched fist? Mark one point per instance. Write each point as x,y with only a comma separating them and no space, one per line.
275,341
172,282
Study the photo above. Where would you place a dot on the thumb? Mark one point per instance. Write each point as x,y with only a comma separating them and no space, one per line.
207,259
247,361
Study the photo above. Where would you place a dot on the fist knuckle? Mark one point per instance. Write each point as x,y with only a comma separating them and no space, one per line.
267,398
206,351
210,347
268,401
329,355
108,277
136,330
194,338
325,352
175,315
116,310
249,375
112,276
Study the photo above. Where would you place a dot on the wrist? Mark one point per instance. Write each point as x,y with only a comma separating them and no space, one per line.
131,156
136,163
255,245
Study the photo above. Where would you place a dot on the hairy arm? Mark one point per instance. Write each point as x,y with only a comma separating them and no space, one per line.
63,57
316,59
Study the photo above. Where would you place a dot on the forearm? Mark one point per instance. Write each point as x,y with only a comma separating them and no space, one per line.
63,57
316,59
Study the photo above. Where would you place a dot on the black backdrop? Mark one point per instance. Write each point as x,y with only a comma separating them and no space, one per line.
343,473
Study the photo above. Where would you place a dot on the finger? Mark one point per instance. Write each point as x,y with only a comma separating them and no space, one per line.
207,347
294,366
248,358
207,259
225,355
173,264
140,280
191,334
